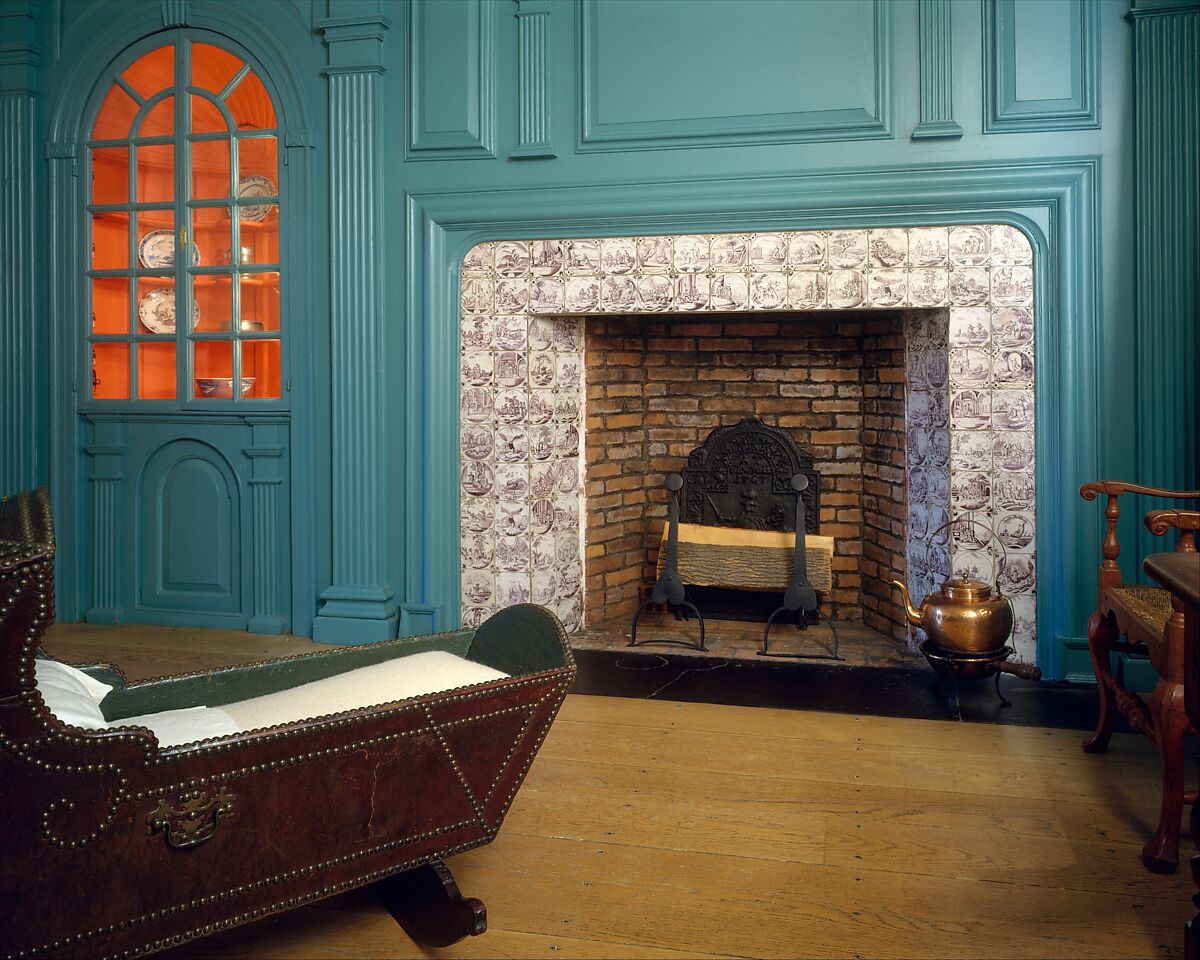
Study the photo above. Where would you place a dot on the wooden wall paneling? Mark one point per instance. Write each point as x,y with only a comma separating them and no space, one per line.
358,607
937,72
22,349
270,544
1041,65
451,101
674,75
1166,90
106,450
534,141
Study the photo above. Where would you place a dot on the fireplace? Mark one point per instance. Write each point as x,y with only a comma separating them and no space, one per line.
904,358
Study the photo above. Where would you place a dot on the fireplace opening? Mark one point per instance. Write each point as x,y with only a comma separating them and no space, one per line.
656,388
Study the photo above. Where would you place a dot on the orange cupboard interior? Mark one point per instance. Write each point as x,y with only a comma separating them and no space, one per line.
230,149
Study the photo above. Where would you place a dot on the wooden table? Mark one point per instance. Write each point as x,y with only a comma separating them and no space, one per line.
1180,573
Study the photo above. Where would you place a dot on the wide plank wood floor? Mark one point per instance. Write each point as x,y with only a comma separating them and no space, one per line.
659,829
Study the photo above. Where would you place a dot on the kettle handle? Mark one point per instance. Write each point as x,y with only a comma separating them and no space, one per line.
991,534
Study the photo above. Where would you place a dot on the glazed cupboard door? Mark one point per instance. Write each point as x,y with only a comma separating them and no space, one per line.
184,357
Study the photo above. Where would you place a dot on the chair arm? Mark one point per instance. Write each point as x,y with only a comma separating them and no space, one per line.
1114,488
1187,522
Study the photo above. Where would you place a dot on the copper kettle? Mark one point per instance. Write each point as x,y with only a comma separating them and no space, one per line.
963,617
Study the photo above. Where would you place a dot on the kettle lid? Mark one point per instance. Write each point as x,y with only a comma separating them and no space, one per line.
966,589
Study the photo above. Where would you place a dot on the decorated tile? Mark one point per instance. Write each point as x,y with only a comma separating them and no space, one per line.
543,481
541,406
1010,245
654,254
888,248
807,249
476,332
477,479
969,246
1012,410
570,369
846,289
581,257
928,287
543,370
583,294
541,333
1012,286
918,521
728,253
512,258
512,553
478,368
618,294
512,518
566,476
1012,326
512,588
847,248
512,296
969,531
691,254
568,334
512,444
938,480
477,295
768,252
939,448
928,246
478,514
691,291
807,289
1015,530
971,450
970,491
547,295
541,515
916,407
1012,451
512,481
618,255
1013,368
969,326
545,258
968,286
1013,492
976,564
479,261
970,409
511,405
474,617
1017,575
566,406
511,368
478,586
654,293
476,404
969,366
566,440
887,288
478,441
768,291
566,513
541,441
917,449
541,552
477,551
542,587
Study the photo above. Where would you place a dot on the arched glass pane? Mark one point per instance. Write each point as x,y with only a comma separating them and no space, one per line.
160,121
251,105
212,67
155,175
210,169
110,175
153,71
116,115
206,118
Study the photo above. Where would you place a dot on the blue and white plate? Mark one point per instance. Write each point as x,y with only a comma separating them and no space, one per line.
156,310
157,250
255,186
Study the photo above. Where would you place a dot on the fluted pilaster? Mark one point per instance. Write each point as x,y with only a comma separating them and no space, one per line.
267,453
1166,44
937,72
106,450
533,81
358,606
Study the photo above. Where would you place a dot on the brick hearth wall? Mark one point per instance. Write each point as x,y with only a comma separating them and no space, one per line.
657,386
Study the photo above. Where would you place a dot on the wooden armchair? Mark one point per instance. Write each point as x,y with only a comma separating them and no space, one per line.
1151,621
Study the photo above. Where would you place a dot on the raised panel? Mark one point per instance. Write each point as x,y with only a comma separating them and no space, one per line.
451,109
189,506
668,73
1041,65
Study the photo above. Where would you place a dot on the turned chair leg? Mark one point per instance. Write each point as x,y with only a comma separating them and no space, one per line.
1161,854
1102,634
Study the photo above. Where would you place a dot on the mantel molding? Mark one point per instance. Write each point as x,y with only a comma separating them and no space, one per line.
937,72
1053,202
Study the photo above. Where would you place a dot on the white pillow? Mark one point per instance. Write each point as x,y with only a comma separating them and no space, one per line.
72,696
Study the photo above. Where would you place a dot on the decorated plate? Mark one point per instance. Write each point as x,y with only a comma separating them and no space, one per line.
157,250
255,186
157,310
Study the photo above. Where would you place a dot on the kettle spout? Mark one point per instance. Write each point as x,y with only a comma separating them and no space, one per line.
914,615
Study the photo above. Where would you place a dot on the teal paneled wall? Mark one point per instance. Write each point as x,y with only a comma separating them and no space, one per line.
552,117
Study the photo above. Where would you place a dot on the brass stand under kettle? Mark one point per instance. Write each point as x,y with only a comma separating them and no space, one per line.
967,624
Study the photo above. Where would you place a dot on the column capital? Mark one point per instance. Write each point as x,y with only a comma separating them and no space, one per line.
354,34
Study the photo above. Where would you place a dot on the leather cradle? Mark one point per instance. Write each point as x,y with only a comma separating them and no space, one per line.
115,847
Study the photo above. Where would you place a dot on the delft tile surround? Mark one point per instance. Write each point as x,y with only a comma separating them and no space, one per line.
967,293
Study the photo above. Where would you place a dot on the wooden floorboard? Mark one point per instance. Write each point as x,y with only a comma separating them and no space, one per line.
657,829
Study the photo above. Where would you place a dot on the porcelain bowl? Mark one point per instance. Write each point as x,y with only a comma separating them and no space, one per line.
216,388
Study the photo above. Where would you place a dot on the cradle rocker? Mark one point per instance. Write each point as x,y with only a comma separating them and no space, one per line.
121,841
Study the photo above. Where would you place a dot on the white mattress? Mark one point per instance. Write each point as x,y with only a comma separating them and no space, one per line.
74,697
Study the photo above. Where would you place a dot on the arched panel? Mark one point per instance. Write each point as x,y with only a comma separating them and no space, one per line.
190,510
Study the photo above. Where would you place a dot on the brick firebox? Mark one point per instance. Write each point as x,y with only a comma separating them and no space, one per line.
655,387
